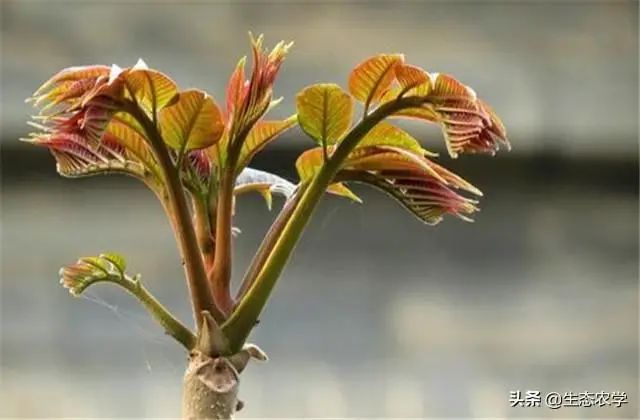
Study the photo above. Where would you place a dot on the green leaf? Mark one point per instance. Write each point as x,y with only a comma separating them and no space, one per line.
151,89
97,263
424,188
370,80
386,134
262,133
422,195
192,122
121,148
468,124
76,158
308,165
116,260
89,270
128,132
411,77
70,85
399,167
338,188
325,112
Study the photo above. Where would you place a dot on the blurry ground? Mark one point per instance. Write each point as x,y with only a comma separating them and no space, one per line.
376,315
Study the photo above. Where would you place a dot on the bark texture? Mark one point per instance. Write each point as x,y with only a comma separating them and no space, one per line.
210,388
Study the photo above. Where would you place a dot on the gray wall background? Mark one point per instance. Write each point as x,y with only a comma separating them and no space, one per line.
377,315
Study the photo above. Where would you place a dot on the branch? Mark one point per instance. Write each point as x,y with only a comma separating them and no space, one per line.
202,225
171,325
201,296
268,243
109,268
244,317
220,276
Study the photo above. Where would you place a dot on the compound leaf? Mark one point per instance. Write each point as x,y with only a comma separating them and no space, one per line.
423,196
89,270
424,188
75,158
468,124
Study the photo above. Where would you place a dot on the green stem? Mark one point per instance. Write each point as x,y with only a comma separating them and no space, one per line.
201,296
244,317
170,323
268,243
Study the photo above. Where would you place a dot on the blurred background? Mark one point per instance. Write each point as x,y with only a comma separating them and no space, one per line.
377,315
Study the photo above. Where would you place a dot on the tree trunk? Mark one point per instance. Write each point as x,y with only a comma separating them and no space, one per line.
210,388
